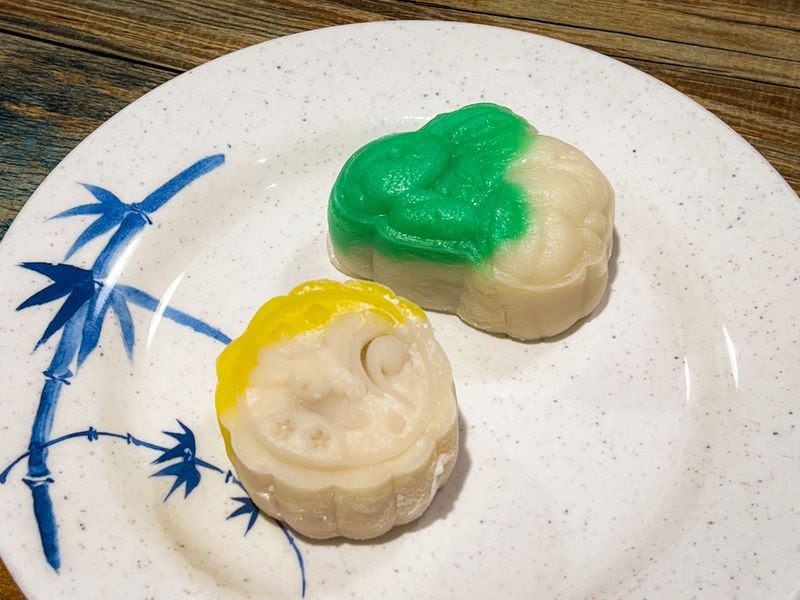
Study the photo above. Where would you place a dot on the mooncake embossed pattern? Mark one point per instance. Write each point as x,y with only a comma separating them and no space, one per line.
338,409
478,214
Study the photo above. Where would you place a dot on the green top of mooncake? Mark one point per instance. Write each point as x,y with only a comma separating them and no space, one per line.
437,194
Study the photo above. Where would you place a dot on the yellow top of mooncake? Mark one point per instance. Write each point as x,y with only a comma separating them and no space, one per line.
309,306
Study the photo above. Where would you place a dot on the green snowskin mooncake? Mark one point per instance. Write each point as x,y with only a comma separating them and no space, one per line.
478,214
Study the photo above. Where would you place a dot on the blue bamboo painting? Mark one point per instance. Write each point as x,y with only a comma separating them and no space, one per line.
88,296
184,465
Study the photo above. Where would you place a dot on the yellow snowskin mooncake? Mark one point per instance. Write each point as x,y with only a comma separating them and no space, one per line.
338,409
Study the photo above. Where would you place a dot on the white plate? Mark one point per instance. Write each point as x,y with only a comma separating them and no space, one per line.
652,452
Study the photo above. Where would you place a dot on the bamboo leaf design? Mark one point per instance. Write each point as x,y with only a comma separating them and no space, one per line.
75,283
48,294
80,320
92,326
184,471
103,195
71,305
145,300
83,209
186,445
112,211
183,451
110,208
88,297
56,271
247,508
105,223
125,320
156,199
80,287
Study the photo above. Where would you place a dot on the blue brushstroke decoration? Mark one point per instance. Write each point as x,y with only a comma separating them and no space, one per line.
88,297
144,300
43,511
184,451
81,318
125,320
75,283
298,555
186,446
247,507
185,473
155,200
230,477
113,211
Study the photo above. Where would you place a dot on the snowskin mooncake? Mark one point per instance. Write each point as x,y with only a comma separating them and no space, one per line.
338,409
477,214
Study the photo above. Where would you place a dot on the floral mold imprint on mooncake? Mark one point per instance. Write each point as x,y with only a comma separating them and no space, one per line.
478,214
338,409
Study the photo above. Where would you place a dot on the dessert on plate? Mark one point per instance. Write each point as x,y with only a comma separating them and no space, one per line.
478,214
338,409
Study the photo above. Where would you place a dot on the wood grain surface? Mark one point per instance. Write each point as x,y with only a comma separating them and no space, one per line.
67,66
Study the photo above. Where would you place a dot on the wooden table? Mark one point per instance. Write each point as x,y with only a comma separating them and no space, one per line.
69,65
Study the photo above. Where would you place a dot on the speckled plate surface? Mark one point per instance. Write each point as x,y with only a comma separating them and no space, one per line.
651,452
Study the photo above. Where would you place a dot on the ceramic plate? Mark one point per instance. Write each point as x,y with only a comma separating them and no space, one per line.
651,452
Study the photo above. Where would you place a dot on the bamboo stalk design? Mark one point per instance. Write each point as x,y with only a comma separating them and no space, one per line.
186,473
89,295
